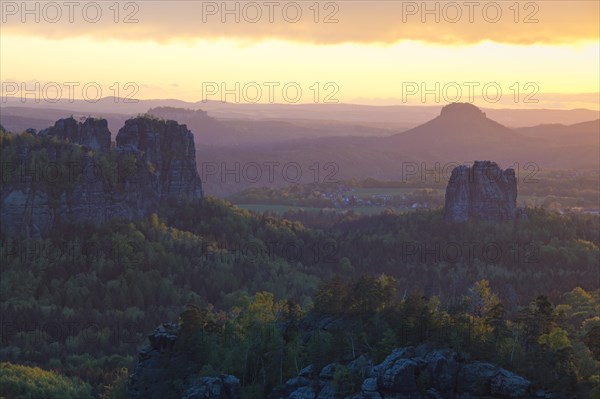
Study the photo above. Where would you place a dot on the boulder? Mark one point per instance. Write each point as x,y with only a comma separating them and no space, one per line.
476,377
308,371
442,368
328,391
223,387
433,394
362,366
369,385
400,377
399,353
303,393
328,371
297,382
480,378
509,385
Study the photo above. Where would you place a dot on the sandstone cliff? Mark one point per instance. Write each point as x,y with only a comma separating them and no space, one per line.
92,133
168,148
68,175
481,192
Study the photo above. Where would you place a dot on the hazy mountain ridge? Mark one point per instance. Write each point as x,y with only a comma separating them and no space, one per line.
458,135
565,134
333,150
235,132
391,115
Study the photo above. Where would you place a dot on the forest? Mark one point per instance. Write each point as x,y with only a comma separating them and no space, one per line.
78,304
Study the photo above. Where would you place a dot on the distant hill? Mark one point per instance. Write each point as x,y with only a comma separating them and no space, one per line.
391,116
327,149
250,132
207,130
587,133
461,133
18,118
13,123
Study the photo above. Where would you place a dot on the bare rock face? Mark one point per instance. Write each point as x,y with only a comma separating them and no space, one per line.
481,192
48,183
92,133
168,148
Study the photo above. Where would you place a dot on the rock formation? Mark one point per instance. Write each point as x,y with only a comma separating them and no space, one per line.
169,148
412,372
481,192
68,174
158,360
420,372
92,133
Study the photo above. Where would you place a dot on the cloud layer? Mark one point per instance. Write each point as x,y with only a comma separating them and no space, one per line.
333,22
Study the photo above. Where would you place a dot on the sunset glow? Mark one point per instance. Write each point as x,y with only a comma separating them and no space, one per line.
375,65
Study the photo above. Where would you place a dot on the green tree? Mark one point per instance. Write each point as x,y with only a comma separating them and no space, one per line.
22,382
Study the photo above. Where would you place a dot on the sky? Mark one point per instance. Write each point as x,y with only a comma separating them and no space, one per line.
510,54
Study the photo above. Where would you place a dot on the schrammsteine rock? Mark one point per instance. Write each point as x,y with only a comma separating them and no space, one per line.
168,148
481,192
92,133
85,182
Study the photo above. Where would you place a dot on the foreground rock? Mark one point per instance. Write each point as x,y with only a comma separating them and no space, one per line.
159,365
414,373
74,177
481,192
420,372
222,387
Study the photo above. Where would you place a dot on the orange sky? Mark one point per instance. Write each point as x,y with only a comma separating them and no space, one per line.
496,54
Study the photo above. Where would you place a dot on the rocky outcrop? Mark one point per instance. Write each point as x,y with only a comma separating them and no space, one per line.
159,363
222,387
92,133
413,372
168,148
421,372
481,192
48,182
486,379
